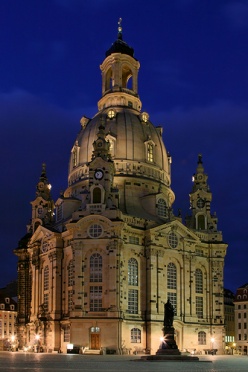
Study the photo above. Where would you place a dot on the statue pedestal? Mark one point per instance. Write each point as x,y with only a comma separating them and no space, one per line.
168,346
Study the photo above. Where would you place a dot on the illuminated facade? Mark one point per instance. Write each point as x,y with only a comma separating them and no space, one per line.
97,274
8,314
241,316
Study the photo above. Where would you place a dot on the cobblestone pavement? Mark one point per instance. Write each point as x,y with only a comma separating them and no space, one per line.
31,362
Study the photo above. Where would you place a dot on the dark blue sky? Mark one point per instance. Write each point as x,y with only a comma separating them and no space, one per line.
193,81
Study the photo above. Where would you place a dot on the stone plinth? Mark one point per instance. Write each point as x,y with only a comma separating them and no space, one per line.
168,345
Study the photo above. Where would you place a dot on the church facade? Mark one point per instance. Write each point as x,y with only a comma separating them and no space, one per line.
97,266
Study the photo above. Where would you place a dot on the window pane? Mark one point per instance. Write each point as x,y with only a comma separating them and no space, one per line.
133,301
96,298
198,281
201,338
96,268
135,335
46,278
162,208
70,274
132,272
150,152
171,276
199,306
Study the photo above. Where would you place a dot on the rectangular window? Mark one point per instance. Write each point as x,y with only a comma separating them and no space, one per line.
245,326
135,336
199,306
96,298
134,240
67,334
239,325
133,301
70,300
45,301
239,315
202,338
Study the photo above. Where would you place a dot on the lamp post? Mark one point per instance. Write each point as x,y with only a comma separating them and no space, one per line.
37,338
13,346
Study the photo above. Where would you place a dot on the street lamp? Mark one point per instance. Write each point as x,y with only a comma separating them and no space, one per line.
233,347
13,346
37,338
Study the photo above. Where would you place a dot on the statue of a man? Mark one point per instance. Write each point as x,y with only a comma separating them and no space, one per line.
168,314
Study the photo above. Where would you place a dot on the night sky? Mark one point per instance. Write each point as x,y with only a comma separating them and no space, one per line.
193,81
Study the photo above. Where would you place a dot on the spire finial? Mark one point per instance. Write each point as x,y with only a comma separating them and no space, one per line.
120,29
199,158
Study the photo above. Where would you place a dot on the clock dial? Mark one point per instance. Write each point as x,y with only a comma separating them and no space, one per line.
98,174
111,114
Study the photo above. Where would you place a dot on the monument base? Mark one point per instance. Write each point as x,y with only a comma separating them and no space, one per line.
170,358
168,349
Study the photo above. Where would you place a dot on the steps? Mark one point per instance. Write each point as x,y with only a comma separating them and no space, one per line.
91,352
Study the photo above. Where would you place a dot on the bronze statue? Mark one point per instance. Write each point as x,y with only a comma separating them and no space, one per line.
168,314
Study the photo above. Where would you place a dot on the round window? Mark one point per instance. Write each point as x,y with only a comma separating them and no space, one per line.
173,240
95,231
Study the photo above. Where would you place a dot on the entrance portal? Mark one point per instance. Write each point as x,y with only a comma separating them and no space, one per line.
95,338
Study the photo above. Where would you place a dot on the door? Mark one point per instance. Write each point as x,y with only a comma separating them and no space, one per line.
95,341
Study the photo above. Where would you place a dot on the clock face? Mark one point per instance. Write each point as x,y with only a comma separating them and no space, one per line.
98,174
111,114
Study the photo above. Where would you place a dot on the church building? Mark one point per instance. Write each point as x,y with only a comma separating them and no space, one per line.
97,266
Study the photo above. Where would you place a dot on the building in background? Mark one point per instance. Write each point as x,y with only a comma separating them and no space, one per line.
98,273
241,316
8,314
230,344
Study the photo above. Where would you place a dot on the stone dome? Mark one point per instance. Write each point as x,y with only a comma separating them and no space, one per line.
131,138
141,162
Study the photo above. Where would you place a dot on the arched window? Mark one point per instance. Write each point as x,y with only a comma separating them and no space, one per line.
172,285
198,281
162,208
201,224
150,152
132,272
74,157
96,268
70,270
135,335
201,338
97,195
